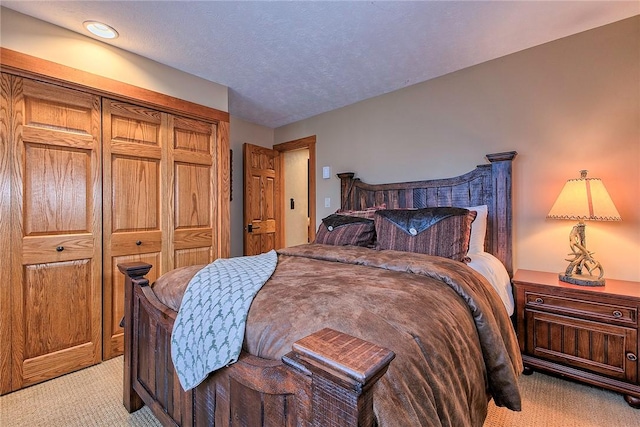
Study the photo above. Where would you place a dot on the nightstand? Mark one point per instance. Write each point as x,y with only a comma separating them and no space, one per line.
589,334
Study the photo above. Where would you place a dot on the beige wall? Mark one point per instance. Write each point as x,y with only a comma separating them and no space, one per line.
564,106
34,37
242,132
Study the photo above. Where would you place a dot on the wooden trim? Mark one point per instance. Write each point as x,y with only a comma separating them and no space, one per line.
279,195
6,156
280,208
312,191
296,144
224,191
308,142
167,188
16,239
30,66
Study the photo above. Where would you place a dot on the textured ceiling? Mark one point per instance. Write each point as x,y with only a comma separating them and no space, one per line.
287,61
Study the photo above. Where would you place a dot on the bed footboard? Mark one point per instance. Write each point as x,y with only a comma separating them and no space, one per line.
325,380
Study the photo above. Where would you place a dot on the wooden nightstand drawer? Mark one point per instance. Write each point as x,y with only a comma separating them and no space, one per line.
610,313
605,349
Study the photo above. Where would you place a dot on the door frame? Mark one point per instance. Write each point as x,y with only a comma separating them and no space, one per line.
308,142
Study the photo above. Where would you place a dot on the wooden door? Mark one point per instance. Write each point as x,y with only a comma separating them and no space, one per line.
55,231
134,182
261,199
193,193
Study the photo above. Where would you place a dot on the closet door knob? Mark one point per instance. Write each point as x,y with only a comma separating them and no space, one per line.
632,357
60,248
139,242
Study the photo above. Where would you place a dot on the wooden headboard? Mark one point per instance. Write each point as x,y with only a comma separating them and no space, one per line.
488,184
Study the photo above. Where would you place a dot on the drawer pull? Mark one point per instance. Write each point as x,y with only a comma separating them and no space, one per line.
632,357
139,242
60,248
539,300
617,314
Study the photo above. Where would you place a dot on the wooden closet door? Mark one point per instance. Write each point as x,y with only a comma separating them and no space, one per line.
192,201
134,185
55,231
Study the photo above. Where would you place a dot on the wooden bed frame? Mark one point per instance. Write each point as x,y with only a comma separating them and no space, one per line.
327,378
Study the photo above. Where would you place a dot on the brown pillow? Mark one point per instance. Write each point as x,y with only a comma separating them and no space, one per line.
440,231
342,230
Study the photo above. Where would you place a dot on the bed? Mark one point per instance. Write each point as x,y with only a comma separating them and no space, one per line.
350,335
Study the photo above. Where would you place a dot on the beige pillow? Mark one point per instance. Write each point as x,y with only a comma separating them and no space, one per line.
478,229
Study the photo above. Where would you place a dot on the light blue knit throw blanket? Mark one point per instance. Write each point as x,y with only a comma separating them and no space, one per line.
209,329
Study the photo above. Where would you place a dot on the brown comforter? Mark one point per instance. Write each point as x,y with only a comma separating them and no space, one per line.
452,337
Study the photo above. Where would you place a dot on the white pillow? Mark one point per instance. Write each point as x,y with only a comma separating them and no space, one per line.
493,270
478,229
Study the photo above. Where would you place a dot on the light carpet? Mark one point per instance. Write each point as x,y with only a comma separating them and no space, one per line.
92,397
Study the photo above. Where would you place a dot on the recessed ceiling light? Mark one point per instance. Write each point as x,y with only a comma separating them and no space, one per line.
100,29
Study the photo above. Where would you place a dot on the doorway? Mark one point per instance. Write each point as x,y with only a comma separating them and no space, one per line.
298,195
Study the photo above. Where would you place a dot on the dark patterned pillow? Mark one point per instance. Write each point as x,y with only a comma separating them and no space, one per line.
342,230
441,231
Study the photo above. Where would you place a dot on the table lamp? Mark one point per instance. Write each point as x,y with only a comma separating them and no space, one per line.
583,199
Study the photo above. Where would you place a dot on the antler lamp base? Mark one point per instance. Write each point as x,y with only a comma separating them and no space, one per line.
582,279
582,259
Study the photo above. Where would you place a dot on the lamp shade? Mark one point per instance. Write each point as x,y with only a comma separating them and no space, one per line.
584,199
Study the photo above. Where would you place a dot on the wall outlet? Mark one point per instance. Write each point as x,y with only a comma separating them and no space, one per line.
327,202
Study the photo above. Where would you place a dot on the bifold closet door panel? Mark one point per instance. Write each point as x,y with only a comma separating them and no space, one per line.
56,212
134,140
193,182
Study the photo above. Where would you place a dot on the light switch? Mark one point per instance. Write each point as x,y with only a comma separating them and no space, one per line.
327,202
326,172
